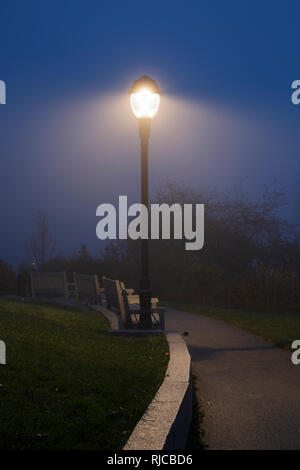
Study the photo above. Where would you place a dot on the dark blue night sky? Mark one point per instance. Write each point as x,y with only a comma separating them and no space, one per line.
68,141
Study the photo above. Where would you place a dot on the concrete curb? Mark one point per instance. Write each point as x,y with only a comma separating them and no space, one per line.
113,318
165,425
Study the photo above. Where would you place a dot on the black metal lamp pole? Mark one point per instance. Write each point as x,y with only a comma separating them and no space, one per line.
145,97
145,291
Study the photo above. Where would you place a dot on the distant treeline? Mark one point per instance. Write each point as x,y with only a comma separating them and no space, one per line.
8,279
250,259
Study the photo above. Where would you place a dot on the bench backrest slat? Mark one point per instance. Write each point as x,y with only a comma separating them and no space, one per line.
113,293
86,287
49,284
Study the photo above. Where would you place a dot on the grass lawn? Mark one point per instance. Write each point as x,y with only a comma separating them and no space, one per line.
279,329
68,384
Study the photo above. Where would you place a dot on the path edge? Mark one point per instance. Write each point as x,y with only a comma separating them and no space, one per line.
112,317
166,423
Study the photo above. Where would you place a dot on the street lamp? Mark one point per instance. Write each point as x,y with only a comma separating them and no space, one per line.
144,101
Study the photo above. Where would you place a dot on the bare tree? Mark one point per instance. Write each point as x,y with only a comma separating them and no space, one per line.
41,243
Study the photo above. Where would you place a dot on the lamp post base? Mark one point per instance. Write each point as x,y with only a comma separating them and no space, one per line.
145,293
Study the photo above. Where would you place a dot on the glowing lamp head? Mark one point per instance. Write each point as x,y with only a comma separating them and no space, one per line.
144,97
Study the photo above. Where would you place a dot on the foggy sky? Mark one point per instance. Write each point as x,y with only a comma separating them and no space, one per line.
68,139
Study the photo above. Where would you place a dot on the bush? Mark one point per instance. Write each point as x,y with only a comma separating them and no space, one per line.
8,282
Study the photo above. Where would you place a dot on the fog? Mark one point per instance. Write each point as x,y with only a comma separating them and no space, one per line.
72,154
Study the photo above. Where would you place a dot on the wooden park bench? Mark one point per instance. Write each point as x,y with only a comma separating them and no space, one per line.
114,298
49,284
86,288
133,314
72,289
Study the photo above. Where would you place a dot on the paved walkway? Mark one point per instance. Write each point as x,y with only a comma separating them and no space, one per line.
249,390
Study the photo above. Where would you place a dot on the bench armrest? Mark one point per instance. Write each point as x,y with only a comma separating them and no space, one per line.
153,310
158,310
130,291
135,299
